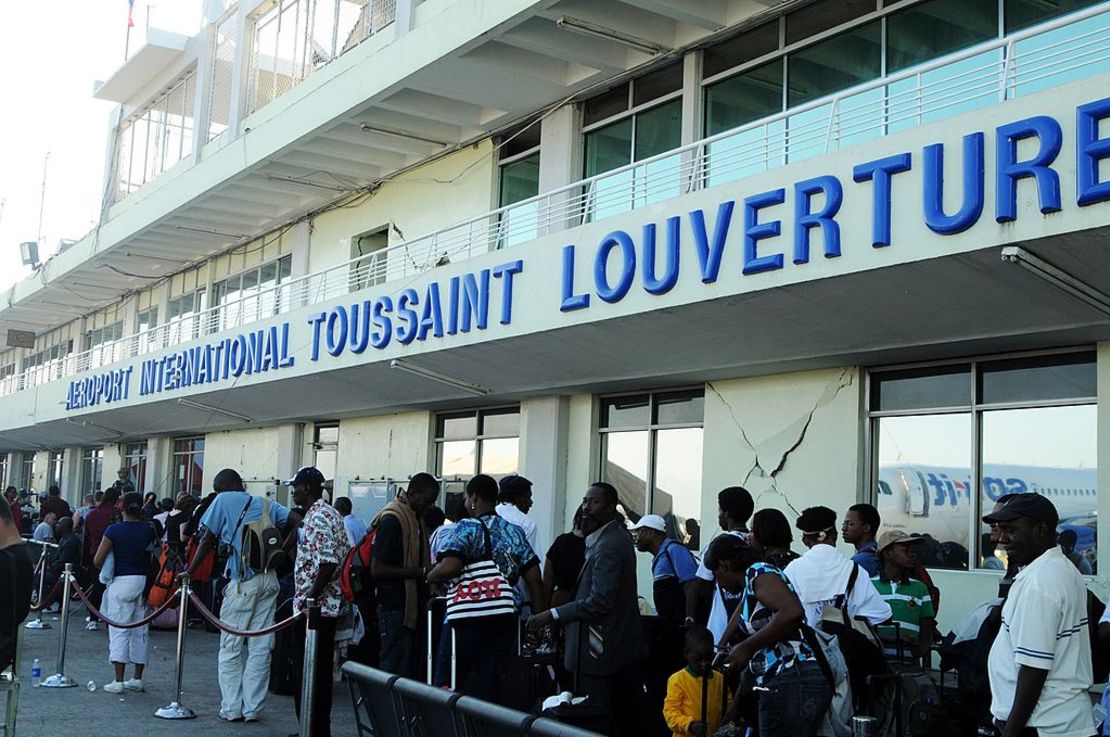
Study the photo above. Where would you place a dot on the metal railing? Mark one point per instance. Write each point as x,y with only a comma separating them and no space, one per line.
295,38
153,141
1036,59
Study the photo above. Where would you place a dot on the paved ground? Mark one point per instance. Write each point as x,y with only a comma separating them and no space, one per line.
74,712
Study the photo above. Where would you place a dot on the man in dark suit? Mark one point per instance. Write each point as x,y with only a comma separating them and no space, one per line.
605,613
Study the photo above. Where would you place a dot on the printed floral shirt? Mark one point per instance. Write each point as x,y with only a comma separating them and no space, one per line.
323,539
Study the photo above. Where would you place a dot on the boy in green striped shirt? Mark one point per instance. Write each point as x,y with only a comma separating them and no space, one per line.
909,599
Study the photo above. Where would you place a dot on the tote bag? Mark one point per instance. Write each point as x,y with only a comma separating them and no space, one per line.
481,590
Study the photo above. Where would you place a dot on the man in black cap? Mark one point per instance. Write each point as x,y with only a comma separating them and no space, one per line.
1040,663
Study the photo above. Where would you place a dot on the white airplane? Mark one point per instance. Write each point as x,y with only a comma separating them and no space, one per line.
936,500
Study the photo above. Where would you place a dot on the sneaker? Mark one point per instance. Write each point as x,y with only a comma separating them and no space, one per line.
92,626
53,608
231,717
114,687
251,718
133,684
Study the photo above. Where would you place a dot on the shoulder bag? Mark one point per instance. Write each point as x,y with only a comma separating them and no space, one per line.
481,590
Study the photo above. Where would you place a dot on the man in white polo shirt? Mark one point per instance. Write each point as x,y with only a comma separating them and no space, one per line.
1040,663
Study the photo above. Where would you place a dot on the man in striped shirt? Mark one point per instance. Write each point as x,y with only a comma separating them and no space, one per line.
1040,663
910,634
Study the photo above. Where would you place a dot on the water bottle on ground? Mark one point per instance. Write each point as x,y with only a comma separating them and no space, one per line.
91,685
36,673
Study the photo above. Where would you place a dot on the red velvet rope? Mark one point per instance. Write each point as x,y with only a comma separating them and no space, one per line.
130,625
222,625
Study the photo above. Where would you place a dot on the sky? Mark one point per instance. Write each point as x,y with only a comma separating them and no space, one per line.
55,51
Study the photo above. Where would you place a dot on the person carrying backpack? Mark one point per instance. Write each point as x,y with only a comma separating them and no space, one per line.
233,518
794,692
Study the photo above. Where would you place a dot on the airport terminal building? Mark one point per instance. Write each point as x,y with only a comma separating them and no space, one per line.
831,250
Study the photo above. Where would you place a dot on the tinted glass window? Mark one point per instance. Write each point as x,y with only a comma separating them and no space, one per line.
1039,379
658,130
748,96
680,408
656,84
745,47
921,389
520,180
935,28
629,411
609,147
1022,13
605,105
835,64
823,15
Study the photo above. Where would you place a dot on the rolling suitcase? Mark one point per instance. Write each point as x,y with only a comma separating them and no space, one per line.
583,715
282,662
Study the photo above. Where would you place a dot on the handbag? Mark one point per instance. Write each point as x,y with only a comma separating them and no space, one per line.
481,590
165,581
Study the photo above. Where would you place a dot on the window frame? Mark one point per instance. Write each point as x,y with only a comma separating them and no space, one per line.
92,460
141,460
190,452
652,428
974,408
479,413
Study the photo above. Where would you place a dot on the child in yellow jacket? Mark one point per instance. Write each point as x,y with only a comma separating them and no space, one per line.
683,706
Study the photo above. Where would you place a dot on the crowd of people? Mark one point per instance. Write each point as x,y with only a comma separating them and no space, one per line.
746,636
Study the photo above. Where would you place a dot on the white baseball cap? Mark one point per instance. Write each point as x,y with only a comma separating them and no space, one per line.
650,522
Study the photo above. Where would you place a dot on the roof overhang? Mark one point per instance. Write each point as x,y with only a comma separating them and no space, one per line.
162,48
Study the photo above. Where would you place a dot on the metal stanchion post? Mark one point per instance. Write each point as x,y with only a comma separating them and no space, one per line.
37,623
175,710
60,679
308,668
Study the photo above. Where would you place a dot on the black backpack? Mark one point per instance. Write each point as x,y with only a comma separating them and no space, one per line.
862,654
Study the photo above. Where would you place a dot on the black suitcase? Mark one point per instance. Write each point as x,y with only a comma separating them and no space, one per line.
524,681
282,663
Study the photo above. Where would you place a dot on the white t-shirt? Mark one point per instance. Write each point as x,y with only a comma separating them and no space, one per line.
718,614
511,513
1044,626
822,574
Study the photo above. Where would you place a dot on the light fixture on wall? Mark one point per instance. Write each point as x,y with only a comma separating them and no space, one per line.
401,134
587,28
1057,277
427,373
306,183
192,403
29,253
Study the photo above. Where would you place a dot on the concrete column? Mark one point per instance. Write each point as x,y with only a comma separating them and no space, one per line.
560,160
42,471
113,462
290,444
298,237
202,95
544,423
240,74
405,17
71,477
693,117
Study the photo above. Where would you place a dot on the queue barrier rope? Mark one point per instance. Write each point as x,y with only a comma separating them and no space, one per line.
225,627
169,604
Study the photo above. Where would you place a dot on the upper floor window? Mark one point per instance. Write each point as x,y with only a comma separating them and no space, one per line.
183,313
519,179
651,451
948,440
478,441
826,48
251,295
629,123
106,334
46,355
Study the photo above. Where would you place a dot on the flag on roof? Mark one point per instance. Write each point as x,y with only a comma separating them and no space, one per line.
130,13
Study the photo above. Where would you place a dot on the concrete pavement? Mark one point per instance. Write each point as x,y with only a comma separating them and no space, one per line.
75,712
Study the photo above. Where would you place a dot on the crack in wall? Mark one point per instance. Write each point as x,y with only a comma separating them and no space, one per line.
795,433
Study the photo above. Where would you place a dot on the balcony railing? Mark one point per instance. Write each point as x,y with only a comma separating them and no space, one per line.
1051,54
295,38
